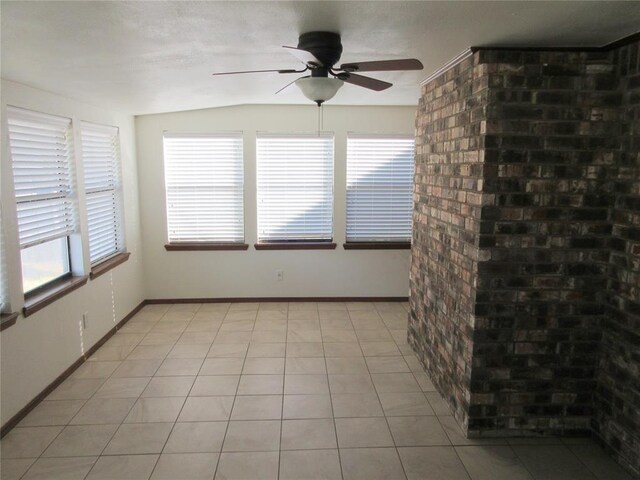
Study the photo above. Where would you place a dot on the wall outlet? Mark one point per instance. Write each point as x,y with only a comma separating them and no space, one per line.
279,275
85,320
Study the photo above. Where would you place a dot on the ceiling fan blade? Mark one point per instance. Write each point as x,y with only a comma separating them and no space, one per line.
383,65
289,70
287,86
362,81
304,56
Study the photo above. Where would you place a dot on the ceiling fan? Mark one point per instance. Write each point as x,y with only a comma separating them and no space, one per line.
319,52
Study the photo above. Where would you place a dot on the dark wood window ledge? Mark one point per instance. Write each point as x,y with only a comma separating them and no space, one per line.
50,295
184,246
295,246
110,263
377,245
7,319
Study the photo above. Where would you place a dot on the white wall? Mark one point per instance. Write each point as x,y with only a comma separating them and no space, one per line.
252,273
37,349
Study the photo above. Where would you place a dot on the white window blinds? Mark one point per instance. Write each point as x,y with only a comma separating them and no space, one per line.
41,152
204,184
295,187
379,187
101,162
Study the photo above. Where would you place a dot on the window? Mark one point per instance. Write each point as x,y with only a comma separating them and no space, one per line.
41,148
295,187
379,187
204,185
101,161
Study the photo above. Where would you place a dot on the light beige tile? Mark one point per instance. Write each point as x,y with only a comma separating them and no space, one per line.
305,384
310,465
194,437
387,364
57,412
72,468
307,406
239,316
371,464
368,323
303,336
331,307
333,335
146,352
552,462
426,385
102,411
213,385
76,389
261,385
351,383
14,468
308,434
138,327
432,463
346,365
115,353
27,442
376,349
139,438
81,441
252,436
96,369
233,337
340,322
417,431
257,407
206,409
168,387
123,467
228,350
395,382
356,405
196,338
222,366
185,466
263,366
248,466
237,326
159,338
137,368
457,437
305,365
304,349
599,463
363,432
266,350
174,367
205,325
439,405
492,463
362,308
342,349
155,409
185,350
378,335
269,332
122,388
405,404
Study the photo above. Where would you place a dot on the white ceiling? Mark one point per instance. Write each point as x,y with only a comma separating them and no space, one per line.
149,57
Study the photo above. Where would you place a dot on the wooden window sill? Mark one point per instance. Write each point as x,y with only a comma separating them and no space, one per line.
188,246
7,319
295,246
57,290
108,264
377,245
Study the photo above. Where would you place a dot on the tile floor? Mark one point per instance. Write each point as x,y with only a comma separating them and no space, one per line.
265,391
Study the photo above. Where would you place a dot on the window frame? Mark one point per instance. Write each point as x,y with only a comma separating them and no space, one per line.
389,243
210,243
309,243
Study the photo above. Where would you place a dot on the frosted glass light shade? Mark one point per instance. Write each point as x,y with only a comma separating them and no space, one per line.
319,89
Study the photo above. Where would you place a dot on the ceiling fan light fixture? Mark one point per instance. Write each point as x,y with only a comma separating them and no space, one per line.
319,89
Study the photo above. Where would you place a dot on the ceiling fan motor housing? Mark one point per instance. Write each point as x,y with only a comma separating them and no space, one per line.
325,46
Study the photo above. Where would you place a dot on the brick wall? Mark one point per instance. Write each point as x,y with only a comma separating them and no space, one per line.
618,395
526,248
446,226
